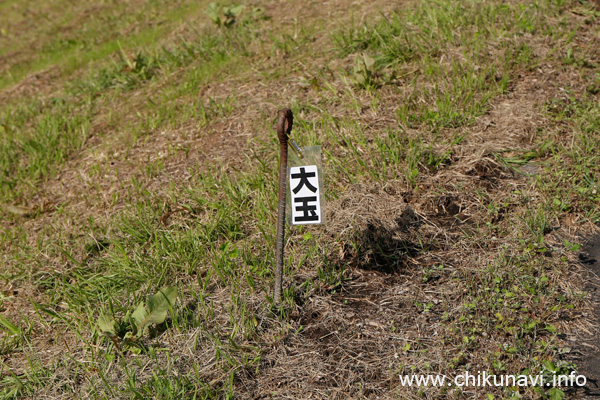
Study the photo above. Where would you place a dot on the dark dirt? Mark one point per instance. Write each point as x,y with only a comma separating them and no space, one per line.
588,353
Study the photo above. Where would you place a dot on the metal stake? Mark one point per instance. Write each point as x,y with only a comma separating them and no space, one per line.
284,128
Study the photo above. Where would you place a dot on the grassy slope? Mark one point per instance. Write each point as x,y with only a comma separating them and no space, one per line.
157,167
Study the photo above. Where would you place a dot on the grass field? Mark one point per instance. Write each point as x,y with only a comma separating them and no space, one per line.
461,144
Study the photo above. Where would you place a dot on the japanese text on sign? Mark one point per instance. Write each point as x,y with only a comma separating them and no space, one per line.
305,191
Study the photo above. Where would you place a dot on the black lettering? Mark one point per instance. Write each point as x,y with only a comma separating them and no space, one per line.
303,176
308,211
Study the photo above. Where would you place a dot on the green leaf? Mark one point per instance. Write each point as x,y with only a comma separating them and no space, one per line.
106,323
556,394
140,314
137,318
9,326
128,337
549,366
213,11
369,62
158,305
235,253
237,10
307,236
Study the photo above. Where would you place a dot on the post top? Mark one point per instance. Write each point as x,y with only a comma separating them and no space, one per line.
284,124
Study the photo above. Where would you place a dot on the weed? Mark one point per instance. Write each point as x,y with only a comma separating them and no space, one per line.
127,332
224,16
365,74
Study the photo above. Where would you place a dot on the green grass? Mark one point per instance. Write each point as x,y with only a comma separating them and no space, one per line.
71,48
449,91
393,102
573,163
62,123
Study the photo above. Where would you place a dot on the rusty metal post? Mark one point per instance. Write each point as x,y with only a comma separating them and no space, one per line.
284,128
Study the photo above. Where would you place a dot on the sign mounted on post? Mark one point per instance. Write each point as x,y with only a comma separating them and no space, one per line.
305,194
304,186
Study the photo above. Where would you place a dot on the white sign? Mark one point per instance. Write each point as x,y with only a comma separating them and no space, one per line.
305,191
